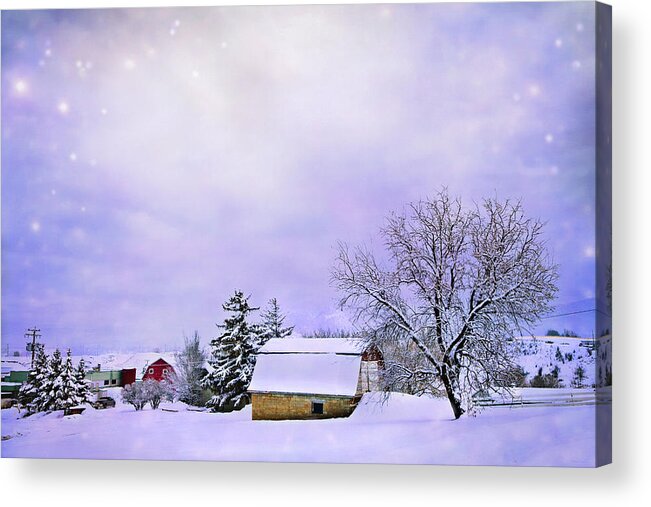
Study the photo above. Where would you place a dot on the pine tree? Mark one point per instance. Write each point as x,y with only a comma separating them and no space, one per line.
54,392
579,376
82,388
43,401
272,322
232,357
68,392
29,392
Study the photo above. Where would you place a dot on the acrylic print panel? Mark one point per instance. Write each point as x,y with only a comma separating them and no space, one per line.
345,234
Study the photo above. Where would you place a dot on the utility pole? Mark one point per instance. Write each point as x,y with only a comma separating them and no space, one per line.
32,333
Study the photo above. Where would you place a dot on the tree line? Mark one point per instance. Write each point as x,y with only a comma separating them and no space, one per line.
53,383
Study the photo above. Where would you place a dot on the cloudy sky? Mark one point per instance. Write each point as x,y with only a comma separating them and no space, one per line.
155,160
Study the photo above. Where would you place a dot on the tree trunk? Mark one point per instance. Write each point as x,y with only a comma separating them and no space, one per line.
454,400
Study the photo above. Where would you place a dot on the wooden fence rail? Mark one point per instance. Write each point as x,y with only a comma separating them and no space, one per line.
548,399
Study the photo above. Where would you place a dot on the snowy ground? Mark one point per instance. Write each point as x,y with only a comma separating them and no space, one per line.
404,430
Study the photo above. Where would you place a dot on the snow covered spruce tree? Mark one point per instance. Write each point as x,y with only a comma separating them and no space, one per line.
82,389
66,386
232,357
272,322
57,396
190,371
53,384
29,395
455,286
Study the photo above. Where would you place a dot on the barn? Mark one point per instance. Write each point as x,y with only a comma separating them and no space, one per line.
312,378
158,370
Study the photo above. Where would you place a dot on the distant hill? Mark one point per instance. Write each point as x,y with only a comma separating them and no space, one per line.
548,352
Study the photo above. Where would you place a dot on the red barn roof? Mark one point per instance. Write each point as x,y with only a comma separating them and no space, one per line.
159,361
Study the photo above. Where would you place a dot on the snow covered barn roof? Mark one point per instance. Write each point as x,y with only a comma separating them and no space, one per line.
306,373
313,346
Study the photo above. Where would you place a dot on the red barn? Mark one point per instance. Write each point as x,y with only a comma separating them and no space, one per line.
158,370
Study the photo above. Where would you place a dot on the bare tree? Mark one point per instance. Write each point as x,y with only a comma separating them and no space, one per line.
455,287
134,394
155,392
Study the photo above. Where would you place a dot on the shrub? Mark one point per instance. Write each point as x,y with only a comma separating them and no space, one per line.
134,394
148,391
155,392
518,377
545,380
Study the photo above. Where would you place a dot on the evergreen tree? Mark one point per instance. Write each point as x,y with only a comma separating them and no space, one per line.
232,357
68,382
55,392
272,322
36,381
579,376
43,400
82,388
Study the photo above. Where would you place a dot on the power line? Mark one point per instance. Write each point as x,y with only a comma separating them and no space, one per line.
575,313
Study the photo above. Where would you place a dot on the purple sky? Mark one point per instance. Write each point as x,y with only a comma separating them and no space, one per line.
155,160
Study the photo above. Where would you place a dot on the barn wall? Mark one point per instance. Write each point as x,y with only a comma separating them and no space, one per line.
128,377
369,377
159,371
276,406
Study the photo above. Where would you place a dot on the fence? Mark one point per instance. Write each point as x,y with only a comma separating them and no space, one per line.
542,397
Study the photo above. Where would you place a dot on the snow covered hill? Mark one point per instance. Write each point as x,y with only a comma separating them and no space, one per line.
567,354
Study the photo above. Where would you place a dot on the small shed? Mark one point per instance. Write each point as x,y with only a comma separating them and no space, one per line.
312,378
158,370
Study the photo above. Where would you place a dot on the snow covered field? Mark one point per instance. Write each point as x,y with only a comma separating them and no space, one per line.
406,429
558,429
